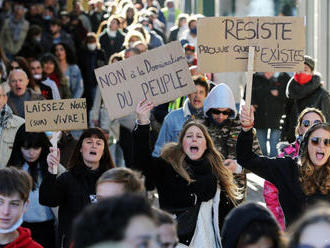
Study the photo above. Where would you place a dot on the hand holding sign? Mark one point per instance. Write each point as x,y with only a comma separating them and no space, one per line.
55,138
143,111
247,118
53,160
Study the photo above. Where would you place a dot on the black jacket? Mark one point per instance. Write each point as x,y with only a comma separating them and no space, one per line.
111,45
282,172
311,94
270,108
71,191
175,194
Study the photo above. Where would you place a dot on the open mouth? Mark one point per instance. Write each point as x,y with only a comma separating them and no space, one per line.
194,149
93,153
319,155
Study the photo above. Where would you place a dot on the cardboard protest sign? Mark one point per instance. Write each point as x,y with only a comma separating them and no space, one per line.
223,43
55,115
160,75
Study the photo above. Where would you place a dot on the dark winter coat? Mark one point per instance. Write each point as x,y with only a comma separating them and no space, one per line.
269,108
175,194
71,191
111,45
282,172
311,94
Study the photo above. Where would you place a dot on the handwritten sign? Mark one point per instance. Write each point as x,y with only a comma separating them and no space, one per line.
160,75
279,43
55,115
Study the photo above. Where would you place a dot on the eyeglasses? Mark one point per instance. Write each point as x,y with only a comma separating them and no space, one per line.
217,112
317,140
307,123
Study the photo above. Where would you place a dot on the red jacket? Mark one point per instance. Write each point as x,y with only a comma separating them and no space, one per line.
24,240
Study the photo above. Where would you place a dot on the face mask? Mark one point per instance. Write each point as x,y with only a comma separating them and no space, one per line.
190,58
47,17
146,27
37,39
193,31
37,76
14,227
112,33
302,78
131,44
91,46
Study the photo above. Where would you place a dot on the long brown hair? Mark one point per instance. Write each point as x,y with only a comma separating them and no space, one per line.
174,154
305,112
312,179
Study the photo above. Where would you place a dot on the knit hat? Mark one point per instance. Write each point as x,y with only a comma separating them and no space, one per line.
239,218
309,61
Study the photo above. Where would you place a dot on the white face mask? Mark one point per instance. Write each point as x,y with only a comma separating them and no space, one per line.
37,76
91,46
112,33
131,44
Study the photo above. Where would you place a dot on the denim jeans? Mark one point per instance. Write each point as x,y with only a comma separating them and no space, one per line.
274,138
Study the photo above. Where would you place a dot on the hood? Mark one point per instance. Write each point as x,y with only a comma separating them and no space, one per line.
24,240
239,218
220,96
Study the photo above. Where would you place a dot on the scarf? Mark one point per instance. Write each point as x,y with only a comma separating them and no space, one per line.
5,114
197,113
55,78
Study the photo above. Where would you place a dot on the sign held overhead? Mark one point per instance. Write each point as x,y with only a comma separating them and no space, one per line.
160,75
279,43
55,115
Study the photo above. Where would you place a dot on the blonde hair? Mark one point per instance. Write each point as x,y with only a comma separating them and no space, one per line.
174,154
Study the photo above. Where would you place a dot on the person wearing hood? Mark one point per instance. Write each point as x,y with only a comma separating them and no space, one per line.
112,39
15,186
224,126
305,90
251,225
173,122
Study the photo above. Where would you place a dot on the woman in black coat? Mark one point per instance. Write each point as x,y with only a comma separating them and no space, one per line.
186,174
299,183
75,189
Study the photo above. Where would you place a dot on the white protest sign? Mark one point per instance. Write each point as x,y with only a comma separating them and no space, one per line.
223,43
160,75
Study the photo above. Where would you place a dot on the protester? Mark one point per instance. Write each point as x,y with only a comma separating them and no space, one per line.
307,118
180,28
9,123
167,229
69,68
19,92
191,34
128,219
305,90
251,225
173,122
47,87
29,153
15,186
312,229
51,69
32,47
171,14
14,31
75,189
299,183
188,176
118,181
223,125
268,99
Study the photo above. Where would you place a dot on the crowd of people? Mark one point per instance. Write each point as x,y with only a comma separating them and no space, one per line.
172,175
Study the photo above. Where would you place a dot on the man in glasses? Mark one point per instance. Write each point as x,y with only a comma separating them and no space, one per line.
224,126
305,89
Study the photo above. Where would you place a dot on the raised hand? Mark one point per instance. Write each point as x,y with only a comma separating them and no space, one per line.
247,118
53,160
143,111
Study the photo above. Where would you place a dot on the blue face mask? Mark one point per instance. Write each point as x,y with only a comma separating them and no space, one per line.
193,31
47,17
